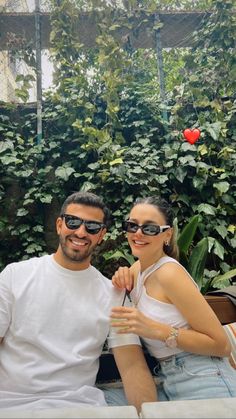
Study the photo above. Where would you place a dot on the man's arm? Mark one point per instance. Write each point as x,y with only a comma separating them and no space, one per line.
137,379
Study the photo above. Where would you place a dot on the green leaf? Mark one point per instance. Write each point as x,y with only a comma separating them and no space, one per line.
220,280
183,258
222,187
187,234
197,261
4,145
19,77
219,284
22,212
184,160
32,248
188,147
218,250
118,254
211,241
180,174
202,149
161,179
233,243
93,166
198,183
46,198
38,228
10,159
222,230
214,130
87,186
116,161
26,173
138,170
77,124
64,172
206,208
23,228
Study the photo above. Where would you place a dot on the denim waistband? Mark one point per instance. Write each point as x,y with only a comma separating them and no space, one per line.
170,356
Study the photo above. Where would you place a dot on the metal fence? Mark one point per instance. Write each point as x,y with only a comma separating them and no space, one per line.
12,64
27,22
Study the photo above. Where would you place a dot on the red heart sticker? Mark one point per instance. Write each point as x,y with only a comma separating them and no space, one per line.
191,135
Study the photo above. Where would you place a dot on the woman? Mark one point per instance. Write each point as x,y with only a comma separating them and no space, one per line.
169,313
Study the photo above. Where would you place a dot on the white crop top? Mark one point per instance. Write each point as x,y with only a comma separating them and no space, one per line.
158,310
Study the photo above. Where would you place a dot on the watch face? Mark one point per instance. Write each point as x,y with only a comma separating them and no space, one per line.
171,342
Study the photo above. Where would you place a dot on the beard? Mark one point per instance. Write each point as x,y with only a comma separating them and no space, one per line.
74,254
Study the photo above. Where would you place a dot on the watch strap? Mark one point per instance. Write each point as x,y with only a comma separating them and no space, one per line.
171,340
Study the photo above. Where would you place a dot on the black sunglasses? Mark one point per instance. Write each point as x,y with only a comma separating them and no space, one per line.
147,229
72,222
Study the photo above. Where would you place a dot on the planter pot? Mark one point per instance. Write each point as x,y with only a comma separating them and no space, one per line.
223,307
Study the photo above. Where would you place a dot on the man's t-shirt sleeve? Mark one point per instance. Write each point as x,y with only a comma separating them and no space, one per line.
5,301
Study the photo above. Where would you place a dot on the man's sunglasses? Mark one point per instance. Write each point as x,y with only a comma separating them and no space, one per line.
72,222
147,229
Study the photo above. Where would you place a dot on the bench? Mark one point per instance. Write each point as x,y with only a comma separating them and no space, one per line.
208,408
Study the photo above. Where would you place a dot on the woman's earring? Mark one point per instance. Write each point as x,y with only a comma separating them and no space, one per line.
166,247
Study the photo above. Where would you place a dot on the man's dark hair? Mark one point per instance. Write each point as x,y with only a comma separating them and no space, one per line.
91,200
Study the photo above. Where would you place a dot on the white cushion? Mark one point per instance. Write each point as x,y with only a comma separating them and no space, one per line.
80,412
207,408
231,333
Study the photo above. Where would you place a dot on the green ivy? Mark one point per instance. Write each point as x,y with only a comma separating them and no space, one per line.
103,131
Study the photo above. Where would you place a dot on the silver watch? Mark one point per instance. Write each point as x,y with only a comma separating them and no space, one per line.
171,341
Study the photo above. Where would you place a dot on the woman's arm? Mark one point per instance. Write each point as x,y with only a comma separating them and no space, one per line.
206,335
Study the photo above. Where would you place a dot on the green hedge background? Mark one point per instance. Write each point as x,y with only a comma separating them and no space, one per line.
104,130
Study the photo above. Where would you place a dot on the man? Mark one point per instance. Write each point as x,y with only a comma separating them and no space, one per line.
54,320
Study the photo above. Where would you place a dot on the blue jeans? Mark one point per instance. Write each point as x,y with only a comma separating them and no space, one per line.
115,396
187,376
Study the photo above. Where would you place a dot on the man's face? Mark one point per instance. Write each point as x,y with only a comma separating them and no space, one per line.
76,246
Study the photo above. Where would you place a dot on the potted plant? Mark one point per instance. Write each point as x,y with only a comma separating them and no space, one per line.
194,260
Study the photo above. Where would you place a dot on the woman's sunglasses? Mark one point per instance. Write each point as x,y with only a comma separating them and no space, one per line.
72,222
147,229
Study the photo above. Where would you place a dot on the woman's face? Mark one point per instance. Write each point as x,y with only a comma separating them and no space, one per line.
142,245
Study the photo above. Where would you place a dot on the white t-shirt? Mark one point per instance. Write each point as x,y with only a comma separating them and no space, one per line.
54,322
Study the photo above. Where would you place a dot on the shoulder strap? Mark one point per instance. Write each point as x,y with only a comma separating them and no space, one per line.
157,265
165,259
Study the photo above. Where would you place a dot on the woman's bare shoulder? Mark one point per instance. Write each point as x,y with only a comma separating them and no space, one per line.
171,270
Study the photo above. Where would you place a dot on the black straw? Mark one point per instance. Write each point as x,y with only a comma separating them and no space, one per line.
126,295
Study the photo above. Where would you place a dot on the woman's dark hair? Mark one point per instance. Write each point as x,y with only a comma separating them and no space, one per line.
91,200
162,205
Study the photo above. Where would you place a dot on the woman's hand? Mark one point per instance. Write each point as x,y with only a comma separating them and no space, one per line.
123,278
131,320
